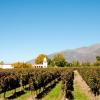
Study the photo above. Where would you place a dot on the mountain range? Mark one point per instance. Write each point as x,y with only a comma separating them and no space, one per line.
83,54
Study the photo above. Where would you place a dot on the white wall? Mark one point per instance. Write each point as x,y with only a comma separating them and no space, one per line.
6,66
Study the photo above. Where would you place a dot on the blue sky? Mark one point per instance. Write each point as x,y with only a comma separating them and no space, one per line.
31,27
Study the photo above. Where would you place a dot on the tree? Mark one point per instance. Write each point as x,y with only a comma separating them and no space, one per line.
39,59
50,62
21,65
75,63
98,58
86,64
1,62
97,63
59,60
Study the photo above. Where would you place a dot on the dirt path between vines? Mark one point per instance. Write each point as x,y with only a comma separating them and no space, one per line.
31,98
84,87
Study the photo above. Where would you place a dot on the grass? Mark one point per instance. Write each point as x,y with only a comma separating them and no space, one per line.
79,93
9,93
22,97
55,94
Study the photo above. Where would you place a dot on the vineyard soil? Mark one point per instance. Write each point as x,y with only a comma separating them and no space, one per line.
78,92
84,87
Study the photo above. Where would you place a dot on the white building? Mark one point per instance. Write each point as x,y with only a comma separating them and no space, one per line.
44,65
6,66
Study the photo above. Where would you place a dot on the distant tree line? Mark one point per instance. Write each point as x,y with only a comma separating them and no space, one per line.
58,60
21,65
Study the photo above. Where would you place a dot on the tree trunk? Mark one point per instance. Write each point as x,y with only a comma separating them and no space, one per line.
4,94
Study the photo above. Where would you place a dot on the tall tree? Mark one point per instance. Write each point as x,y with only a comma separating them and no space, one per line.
59,60
39,59
51,62
75,63
97,63
98,58
1,62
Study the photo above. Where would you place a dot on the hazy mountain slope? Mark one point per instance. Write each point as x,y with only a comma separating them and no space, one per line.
31,61
83,54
